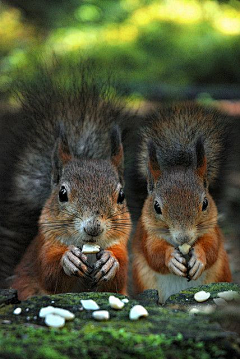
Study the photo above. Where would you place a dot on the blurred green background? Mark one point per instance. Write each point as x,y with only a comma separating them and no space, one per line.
157,50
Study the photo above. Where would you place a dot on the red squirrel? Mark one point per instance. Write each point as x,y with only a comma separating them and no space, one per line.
180,150
70,174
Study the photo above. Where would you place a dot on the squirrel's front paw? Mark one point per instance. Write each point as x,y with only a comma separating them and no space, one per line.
176,263
74,263
196,265
106,267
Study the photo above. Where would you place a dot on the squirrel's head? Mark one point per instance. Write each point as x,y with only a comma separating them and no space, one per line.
87,203
179,207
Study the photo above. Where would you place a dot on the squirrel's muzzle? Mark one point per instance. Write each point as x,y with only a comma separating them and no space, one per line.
93,227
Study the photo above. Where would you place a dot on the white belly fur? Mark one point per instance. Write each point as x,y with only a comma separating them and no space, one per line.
168,284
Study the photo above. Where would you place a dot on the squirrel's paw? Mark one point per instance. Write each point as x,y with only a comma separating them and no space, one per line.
74,263
196,265
106,267
177,263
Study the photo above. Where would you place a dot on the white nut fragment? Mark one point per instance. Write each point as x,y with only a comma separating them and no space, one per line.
201,296
101,315
17,311
45,311
66,314
115,302
125,300
90,248
204,309
219,301
54,321
89,304
137,312
228,295
184,248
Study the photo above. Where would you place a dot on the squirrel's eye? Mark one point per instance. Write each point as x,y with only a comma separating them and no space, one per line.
121,196
63,197
157,208
205,204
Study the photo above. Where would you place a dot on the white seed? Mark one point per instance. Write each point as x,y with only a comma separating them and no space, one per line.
125,300
45,311
90,248
201,296
228,295
137,312
54,321
89,304
184,248
219,301
101,315
66,314
17,311
115,302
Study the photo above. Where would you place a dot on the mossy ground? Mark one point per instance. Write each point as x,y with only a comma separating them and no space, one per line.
166,333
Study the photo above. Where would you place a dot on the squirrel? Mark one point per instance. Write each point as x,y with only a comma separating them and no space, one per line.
180,151
65,188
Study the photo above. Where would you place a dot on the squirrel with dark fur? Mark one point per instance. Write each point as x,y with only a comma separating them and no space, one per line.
66,190
181,147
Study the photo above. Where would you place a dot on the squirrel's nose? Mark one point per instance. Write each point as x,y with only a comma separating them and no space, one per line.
93,228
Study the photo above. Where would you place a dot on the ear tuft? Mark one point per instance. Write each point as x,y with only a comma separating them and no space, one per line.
154,171
201,159
117,150
61,154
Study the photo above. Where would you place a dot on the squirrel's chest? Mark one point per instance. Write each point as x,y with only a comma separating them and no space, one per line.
168,284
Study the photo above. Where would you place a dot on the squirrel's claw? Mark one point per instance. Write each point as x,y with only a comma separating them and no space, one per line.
195,266
106,267
73,265
176,264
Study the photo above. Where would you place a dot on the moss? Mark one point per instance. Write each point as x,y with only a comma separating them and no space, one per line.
186,297
166,333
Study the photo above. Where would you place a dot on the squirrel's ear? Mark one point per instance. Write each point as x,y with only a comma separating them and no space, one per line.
60,156
154,171
117,151
201,159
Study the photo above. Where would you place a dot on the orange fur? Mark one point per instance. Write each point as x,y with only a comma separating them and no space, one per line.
148,250
119,283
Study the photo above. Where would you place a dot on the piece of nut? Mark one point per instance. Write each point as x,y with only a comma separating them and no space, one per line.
54,321
89,304
45,311
184,248
201,296
17,311
101,315
219,301
137,312
90,248
115,302
228,295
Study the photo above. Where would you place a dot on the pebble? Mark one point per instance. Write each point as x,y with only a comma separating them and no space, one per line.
137,312
115,302
89,304
90,248
101,315
219,301
54,321
125,300
201,296
17,311
184,248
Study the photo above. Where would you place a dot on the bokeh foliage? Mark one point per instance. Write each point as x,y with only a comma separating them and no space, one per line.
173,42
